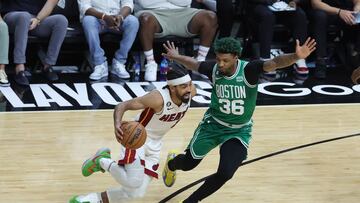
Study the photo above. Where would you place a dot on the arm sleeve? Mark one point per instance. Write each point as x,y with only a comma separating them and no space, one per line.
253,70
128,3
206,68
84,5
182,3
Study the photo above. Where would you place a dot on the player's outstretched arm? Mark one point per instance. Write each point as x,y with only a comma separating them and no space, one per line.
172,53
286,60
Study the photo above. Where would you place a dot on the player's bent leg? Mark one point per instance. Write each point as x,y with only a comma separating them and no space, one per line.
184,162
125,194
168,175
130,175
92,164
232,154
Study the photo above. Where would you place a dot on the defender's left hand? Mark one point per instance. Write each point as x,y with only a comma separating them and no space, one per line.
306,49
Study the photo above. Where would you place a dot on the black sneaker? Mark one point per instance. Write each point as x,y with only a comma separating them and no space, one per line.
27,72
21,79
50,74
320,69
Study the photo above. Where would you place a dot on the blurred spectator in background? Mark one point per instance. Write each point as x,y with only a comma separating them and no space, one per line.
342,14
4,50
266,13
160,18
26,16
111,16
224,10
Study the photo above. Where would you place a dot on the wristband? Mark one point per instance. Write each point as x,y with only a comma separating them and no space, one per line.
339,12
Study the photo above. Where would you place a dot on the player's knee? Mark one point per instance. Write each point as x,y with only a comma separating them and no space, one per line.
135,182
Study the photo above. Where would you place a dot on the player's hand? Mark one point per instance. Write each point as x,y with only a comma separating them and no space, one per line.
171,50
306,49
118,131
34,22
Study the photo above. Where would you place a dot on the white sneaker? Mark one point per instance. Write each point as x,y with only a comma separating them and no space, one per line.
100,71
119,70
4,82
151,71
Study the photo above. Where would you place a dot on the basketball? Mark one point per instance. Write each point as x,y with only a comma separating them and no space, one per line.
134,135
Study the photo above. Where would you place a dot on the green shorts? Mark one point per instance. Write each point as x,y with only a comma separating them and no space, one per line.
173,21
209,134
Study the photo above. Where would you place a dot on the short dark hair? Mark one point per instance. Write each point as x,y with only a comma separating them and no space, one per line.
227,45
175,71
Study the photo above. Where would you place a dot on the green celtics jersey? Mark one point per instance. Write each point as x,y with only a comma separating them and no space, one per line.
233,99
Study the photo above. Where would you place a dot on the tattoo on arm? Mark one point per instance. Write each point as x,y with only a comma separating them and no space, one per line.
280,61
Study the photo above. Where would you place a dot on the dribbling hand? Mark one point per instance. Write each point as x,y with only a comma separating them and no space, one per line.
118,131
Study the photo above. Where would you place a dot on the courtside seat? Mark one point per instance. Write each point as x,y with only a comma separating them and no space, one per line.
74,48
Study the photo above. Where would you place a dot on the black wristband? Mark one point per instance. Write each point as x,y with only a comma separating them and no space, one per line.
339,12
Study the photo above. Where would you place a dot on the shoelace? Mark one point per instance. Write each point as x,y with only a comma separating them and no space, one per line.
99,69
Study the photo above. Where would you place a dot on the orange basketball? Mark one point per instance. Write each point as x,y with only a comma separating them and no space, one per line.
134,135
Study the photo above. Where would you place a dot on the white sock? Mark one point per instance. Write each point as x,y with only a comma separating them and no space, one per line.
149,56
105,163
92,198
202,53
301,63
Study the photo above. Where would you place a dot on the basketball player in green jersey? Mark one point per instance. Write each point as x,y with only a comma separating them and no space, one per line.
228,121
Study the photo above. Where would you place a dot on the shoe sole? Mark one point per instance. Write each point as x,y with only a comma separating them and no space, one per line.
126,77
98,152
4,84
98,78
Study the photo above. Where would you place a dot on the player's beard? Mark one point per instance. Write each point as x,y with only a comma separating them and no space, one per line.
185,98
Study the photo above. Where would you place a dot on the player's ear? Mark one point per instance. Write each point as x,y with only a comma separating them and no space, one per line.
171,88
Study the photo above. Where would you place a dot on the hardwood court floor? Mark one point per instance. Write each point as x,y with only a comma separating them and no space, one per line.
42,153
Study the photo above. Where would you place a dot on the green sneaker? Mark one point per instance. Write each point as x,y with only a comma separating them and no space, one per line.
74,200
92,165
168,175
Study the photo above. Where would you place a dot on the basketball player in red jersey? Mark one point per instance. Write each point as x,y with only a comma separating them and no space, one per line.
162,110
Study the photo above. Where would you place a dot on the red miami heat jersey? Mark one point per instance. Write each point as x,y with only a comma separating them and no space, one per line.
157,124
